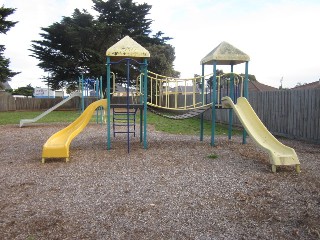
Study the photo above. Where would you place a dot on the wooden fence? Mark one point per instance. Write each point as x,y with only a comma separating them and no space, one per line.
292,113
10,103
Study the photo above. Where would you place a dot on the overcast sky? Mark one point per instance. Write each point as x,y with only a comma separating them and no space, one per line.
281,37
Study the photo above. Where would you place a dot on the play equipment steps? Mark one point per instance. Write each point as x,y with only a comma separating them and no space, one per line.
124,118
26,121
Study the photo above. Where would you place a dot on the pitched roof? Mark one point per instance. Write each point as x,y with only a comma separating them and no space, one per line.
225,54
308,86
255,86
127,48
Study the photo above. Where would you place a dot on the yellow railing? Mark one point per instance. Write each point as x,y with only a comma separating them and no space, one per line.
162,88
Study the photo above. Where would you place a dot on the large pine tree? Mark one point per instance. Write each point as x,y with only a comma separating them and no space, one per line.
5,73
77,44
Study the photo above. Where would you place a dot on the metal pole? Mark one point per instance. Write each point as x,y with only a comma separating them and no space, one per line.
202,95
145,107
213,100
82,90
96,89
108,105
48,87
101,97
141,100
128,104
232,97
246,95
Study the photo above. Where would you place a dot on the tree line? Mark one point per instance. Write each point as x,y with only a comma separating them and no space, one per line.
77,44
5,72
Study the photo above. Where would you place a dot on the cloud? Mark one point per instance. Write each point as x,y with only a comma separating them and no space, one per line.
279,36
32,15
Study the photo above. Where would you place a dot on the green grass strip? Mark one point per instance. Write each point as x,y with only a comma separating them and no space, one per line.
190,126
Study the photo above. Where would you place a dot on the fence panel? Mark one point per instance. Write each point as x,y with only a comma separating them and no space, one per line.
6,102
10,103
291,113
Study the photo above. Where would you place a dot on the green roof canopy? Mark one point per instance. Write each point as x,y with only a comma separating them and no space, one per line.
127,48
225,54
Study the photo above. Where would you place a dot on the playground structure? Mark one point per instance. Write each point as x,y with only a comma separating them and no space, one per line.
23,122
279,154
191,100
133,56
84,87
229,92
57,146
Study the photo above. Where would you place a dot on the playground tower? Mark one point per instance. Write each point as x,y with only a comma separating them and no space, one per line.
224,54
131,54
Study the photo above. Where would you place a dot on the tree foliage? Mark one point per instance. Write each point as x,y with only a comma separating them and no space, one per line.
77,44
5,73
25,91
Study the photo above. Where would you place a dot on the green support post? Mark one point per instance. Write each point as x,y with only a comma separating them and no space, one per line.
101,97
213,100
141,101
145,93
203,102
108,105
246,95
141,124
232,97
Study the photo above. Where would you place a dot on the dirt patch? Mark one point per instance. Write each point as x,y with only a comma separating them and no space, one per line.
172,190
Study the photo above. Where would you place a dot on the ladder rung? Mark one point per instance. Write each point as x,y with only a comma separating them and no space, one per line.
123,124
123,132
123,119
124,114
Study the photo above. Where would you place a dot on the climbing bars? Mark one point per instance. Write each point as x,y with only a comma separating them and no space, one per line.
174,93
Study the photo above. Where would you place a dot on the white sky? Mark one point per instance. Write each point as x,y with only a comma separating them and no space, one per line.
281,37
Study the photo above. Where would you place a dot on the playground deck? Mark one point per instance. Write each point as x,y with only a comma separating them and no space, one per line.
170,191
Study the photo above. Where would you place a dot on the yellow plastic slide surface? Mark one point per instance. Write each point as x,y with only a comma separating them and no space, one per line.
57,146
279,154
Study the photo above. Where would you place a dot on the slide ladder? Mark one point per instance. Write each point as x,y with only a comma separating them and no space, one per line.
279,154
26,121
124,118
57,146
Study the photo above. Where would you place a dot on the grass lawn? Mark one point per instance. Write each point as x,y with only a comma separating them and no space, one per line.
55,116
190,126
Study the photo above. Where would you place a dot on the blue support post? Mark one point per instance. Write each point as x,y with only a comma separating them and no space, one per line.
82,91
246,95
213,100
96,89
101,97
202,94
108,105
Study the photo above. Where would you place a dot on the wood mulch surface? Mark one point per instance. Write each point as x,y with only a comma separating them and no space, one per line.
172,190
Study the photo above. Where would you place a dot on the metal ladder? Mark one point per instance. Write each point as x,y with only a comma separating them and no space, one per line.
124,118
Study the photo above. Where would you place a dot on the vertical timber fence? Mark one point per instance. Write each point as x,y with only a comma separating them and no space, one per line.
292,114
10,103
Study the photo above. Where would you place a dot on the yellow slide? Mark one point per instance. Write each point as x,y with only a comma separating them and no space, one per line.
279,154
57,146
